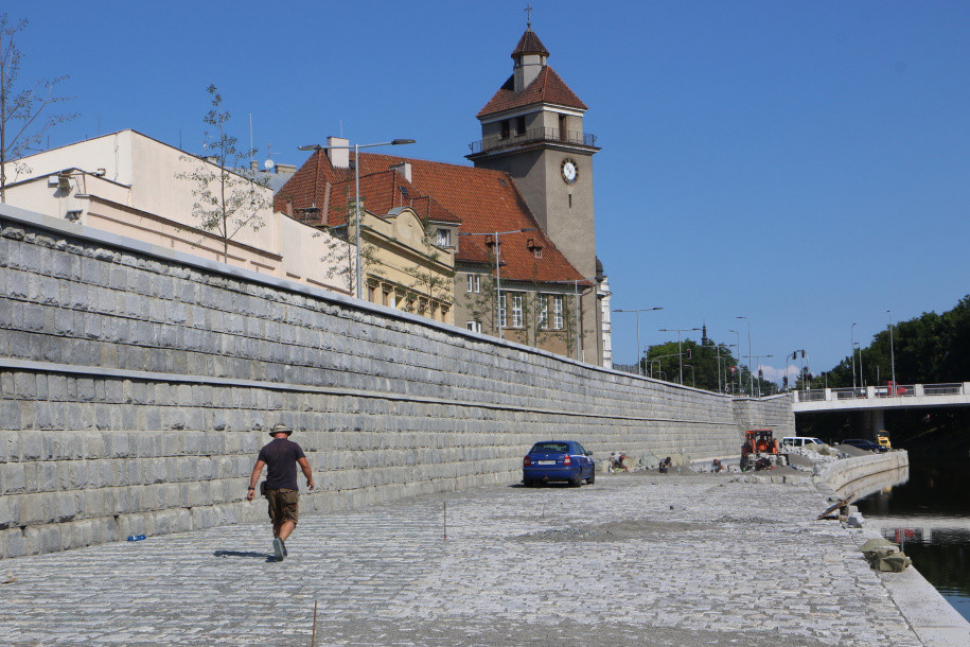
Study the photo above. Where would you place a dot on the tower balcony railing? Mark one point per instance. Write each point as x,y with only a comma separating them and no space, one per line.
576,138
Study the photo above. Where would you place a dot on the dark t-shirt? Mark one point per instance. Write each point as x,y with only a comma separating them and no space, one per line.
280,456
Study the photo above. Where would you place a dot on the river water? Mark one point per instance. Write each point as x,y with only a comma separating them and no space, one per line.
930,516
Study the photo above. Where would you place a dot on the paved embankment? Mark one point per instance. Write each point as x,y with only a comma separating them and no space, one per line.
634,559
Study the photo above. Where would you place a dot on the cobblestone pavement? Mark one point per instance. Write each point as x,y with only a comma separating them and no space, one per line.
634,559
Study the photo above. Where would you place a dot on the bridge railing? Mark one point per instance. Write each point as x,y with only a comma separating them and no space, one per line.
871,392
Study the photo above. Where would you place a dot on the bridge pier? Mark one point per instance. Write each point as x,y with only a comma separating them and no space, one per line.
875,421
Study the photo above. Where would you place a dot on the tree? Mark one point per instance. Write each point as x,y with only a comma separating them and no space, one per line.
24,114
227,202
427,280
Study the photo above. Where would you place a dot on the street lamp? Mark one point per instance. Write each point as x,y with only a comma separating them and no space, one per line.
579,326
680,352
750,376
892,352
726,383
758,358
739,357
852,339
862,382
498,268
639,369
357,147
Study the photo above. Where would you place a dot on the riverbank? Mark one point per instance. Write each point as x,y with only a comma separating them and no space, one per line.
674,559
933,619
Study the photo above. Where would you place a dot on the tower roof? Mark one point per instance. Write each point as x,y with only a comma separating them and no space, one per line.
529,44
548,87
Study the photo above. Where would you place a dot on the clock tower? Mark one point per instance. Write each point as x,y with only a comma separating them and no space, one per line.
532,129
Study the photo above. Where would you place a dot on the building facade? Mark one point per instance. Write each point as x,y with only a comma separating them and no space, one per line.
132,185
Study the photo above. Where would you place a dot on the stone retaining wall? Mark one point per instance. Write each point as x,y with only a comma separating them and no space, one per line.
137,384
841,476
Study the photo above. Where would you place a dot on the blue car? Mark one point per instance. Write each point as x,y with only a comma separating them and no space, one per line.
558,460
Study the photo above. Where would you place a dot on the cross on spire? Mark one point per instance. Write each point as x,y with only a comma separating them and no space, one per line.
528,16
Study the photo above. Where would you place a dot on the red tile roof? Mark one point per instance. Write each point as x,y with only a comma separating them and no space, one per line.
381,192
482,200
546,88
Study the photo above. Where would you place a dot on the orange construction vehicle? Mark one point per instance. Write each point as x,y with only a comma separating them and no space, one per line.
760,450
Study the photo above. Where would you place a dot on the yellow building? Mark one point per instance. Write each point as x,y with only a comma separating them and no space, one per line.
408,240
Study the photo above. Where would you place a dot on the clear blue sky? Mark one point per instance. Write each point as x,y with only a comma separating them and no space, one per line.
804,164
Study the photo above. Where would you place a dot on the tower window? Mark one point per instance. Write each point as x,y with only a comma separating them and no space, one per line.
520,126
506,129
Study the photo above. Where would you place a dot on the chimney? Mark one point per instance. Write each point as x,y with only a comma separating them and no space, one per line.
339,157
404,168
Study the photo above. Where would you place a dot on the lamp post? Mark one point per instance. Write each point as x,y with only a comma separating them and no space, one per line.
750,376
862,382
579,326
498,267
680,352
892,352
718,348
758,359
725,368
852,340
356,148
639,369
739,357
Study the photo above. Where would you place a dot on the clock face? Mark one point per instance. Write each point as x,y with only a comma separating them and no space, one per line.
569,171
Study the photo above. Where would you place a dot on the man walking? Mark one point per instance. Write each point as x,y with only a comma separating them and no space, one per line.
281,455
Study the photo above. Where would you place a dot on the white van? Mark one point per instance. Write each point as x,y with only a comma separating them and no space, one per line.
799,441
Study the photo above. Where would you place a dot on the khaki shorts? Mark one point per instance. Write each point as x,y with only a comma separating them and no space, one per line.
284,505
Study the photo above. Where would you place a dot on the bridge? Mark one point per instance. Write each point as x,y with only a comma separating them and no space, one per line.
904,396
875,400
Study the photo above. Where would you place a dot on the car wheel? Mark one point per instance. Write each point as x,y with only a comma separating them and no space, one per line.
578,480
592,477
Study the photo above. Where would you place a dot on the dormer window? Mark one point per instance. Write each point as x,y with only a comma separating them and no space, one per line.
506,129
520,126
533,246
444,238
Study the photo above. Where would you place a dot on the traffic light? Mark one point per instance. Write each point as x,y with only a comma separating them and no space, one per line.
688,353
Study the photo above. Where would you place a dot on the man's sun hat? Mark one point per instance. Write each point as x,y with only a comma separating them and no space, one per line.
280,428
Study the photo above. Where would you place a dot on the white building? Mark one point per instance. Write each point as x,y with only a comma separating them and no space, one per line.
134,186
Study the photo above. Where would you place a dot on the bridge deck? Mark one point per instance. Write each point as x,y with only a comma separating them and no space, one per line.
904,396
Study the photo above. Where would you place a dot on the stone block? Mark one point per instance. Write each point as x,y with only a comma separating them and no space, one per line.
64,506
13,478
9,511
12,543
36,508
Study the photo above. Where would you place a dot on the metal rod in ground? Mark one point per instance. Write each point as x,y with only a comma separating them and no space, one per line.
313,635
444,520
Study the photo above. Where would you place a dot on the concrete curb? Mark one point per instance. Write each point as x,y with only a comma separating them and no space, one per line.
933,619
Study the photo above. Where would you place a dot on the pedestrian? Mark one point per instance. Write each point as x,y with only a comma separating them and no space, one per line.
281,456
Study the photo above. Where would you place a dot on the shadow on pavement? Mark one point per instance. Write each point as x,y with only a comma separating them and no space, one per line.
236,553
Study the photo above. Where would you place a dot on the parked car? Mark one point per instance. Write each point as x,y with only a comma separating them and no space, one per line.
799,441
862,443
558,460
